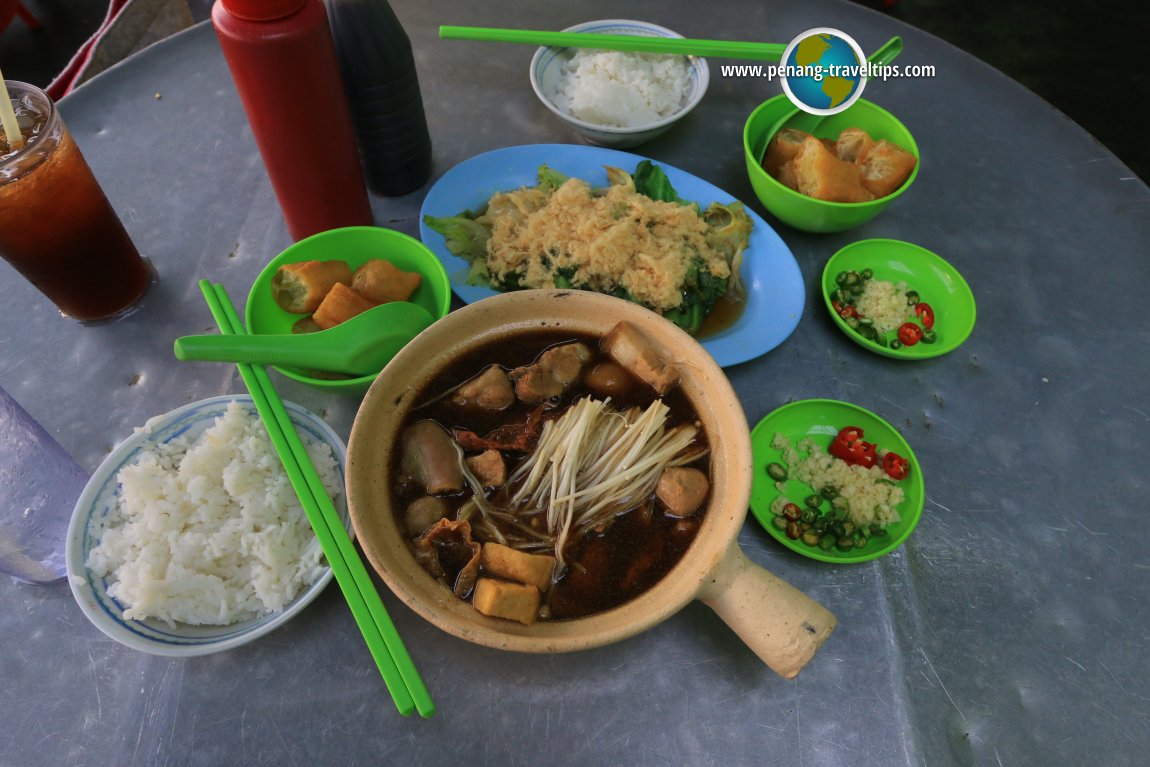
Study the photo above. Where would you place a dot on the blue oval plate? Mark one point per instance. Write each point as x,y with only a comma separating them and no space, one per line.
774,283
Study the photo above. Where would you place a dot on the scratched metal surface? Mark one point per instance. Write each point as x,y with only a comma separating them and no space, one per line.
1011,629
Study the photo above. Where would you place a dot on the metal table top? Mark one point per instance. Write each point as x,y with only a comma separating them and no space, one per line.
1010,629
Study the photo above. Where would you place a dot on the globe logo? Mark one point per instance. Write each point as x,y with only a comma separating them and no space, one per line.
823,71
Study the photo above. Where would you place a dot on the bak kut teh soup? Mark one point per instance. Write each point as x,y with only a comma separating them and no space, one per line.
552,476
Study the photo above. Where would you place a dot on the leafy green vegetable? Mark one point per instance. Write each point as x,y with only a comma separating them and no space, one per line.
564,278
550,179
619,177
512,281
651,181
701,291
478,274
464,236
729,227
728,232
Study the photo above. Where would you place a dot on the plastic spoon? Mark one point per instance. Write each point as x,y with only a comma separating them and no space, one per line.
636,43
884,55
359,346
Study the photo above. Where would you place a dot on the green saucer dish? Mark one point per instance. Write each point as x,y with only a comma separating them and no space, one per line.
821,420
937,283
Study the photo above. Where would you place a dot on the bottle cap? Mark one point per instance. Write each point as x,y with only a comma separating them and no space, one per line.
262,10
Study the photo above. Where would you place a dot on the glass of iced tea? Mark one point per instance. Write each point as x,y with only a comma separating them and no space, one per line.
56,226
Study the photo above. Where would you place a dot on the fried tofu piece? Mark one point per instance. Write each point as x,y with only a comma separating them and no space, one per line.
627,345
786,176
381,282
823,176
339,305
489,468
300,288
503,599
682,490
851,143
528,569
885,167
551,374
782,148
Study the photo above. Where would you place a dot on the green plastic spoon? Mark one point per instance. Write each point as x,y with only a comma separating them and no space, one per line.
359,346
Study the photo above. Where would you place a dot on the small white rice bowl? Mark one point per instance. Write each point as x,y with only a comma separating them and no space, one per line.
189,538
614,98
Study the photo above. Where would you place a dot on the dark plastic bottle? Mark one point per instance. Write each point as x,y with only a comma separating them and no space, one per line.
284,65
383,92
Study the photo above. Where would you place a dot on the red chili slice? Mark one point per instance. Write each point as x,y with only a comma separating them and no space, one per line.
848,446
925,314
910,334
842,446
895,466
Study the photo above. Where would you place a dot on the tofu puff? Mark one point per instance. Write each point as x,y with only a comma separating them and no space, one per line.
300,288
852,168
823,176
331,292
339,305
381,282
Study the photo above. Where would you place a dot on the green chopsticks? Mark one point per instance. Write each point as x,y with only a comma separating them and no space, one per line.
642,44
391,657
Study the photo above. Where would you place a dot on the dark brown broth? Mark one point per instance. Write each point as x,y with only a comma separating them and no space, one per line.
606,568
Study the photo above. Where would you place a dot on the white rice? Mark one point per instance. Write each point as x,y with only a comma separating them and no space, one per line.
211,532
885,303
871,496
623,90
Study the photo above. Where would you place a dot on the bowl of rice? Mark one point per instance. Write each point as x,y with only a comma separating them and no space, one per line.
614,98
189,538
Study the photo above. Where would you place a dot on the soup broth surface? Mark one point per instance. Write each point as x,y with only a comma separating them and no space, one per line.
610,564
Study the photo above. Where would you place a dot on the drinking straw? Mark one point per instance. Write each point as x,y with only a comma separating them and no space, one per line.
8,117
637,43
390,654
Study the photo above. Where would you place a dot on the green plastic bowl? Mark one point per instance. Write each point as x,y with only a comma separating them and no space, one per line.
937,282
356,245
798,210
821,420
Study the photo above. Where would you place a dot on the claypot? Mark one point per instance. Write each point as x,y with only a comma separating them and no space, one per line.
780,624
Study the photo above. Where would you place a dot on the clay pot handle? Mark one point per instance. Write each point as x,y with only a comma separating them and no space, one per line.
781,624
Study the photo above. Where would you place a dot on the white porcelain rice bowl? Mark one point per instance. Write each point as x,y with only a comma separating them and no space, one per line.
548,78
98,501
